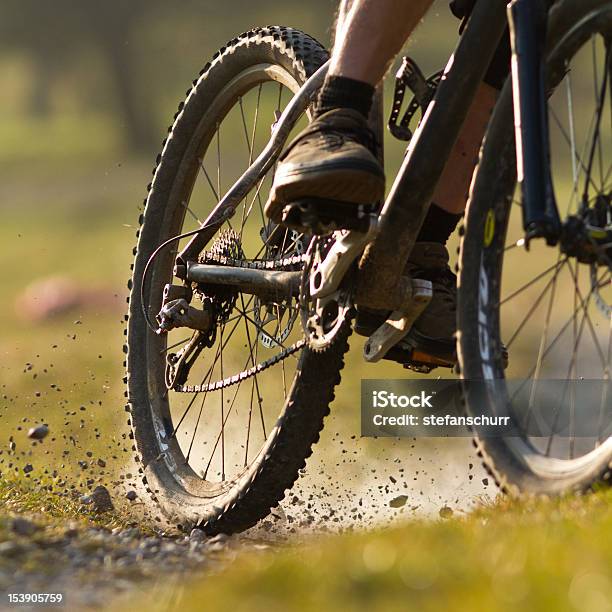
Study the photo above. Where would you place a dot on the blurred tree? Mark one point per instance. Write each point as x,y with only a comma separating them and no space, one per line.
128,35
54,33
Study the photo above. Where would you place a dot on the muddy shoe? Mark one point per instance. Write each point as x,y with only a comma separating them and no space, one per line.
434,331
432,337
330,161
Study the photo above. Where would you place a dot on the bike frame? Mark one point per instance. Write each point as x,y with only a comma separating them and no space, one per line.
404,210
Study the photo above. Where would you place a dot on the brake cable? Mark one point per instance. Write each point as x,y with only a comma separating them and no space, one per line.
155,253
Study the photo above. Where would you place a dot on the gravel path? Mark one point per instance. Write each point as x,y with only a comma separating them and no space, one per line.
93,566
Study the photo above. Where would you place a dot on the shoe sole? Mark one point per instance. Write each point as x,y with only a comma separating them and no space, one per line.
358,184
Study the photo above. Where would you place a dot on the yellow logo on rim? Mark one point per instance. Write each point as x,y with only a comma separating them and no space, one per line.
489,229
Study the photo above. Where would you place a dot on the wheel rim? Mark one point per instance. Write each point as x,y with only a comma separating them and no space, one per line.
535,290
209,439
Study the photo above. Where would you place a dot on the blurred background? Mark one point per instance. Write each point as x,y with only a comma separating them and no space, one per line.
88,90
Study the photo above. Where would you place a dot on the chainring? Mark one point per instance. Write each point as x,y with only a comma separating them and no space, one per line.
324,318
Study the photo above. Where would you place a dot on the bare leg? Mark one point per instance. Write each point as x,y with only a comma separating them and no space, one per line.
377,30
452,190
382,27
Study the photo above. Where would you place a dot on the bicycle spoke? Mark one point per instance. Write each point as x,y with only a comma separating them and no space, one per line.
599,144
554,341
209,181
248,437
255,382
588,318
168,348
254,131
530,283
250,155
248,212
543,340
195,429
229,411
533,307
577,333
278,314
599,114
575,157
570,112
280,96
207,379
208,374
246,132
186,207
218,140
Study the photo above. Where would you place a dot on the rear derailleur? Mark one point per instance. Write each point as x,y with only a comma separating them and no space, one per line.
177,312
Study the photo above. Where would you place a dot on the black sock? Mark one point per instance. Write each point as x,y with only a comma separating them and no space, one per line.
438,225
342,92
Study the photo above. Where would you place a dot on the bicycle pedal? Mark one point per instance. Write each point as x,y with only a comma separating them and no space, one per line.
419,361
321,216
399,322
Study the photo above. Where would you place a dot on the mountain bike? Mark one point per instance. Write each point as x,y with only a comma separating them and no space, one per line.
237,328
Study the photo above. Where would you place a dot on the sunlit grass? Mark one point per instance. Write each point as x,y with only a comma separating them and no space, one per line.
532,555
50,504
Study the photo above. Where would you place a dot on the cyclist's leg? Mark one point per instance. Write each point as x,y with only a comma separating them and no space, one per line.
372,34
452,190
333,158
450,196
433,332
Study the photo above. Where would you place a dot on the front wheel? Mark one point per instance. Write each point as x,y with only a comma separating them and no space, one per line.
219,450
551,307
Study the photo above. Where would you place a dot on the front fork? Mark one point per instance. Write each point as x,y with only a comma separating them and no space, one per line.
528,24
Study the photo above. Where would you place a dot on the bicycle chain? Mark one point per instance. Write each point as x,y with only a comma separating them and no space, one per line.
286,263
236,378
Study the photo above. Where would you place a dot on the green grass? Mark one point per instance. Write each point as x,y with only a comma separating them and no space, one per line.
531,555
43,502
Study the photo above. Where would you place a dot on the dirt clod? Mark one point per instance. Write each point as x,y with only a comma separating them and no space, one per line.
446,512
38,433
101,499
399,501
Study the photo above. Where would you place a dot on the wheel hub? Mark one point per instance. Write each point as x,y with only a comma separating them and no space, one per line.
587,236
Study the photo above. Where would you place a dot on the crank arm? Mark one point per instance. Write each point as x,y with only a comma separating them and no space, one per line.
326,277
399,322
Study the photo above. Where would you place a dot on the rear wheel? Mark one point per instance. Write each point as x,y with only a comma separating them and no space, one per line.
550,306
221,454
